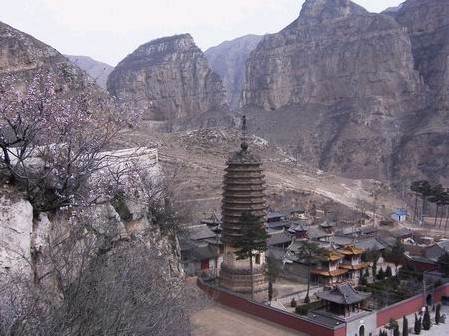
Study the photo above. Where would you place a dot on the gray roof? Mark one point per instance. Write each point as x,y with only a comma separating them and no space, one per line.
279,224
434,252
371,244
444,244
204,252
279,238
276,253
401,233
342,240
200,232
343,294
316,233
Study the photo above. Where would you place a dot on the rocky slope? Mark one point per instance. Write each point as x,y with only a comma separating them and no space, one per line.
425,146
168,78
22,57
340,83
96,70
228,59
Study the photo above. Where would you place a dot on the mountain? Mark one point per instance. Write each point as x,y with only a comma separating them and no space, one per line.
168,78
228,59
425,145
97,70
336,88
22,58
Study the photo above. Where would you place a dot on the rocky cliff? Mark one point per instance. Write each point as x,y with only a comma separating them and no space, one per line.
98,71
425,145
340,83
168,78
228,59
23,57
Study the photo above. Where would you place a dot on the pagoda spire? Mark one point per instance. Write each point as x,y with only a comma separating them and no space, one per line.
244,135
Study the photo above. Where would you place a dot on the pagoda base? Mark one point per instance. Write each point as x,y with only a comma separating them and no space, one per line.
239,280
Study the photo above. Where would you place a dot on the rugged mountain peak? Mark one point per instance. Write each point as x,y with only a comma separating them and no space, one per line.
168,78
167,45
228,59
24,58
329,9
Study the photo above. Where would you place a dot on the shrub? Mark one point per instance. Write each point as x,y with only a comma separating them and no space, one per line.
293,303
438,314
301,310
426,323
417,326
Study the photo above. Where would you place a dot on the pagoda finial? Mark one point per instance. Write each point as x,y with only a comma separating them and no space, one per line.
244,138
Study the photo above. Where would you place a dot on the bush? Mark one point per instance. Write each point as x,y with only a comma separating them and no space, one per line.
417,327
426,323
380,275
293,303
301,310
438,314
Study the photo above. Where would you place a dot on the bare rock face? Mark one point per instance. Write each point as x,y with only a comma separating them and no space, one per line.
98,71
168,78
340,84
228,59
425,147
23,57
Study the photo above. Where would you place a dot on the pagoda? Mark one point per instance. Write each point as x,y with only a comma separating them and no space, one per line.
243,192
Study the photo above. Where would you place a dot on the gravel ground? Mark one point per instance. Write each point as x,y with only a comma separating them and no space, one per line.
223,321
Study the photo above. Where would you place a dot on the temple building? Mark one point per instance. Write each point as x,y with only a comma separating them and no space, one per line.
244,192
329,272
352,262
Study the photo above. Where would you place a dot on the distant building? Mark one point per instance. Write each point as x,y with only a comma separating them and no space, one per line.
399,215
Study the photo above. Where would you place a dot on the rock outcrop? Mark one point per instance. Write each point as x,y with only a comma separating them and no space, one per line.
168,78
98,71
340,84
22,57
424,150
228,59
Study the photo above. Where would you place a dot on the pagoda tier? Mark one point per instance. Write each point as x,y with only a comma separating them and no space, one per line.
243,191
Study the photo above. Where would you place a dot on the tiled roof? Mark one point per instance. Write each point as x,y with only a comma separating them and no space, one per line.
351,250
316,233
343,294
326,273
279,238
200,232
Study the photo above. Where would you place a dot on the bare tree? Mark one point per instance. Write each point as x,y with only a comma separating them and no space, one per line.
51,141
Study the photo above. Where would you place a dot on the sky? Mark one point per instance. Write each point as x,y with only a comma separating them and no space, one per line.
109,30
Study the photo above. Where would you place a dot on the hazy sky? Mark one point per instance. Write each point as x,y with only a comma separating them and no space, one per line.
108,30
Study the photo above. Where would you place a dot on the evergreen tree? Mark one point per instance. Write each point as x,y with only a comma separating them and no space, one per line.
272,273
396,331
381,274
310,253
417,326
388,272
293,303
438,314
443,264
404,326
426,323
374,271
253,240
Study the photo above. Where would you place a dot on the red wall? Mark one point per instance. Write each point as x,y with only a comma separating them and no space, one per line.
400,310
409,306
270,314
441,291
